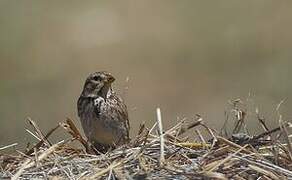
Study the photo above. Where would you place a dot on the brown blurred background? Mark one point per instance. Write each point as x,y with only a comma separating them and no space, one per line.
186,57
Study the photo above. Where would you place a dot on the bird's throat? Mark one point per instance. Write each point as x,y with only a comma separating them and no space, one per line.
104,91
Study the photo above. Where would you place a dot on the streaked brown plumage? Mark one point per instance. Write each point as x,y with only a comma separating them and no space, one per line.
102,113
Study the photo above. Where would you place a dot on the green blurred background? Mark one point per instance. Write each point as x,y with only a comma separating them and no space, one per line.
186,57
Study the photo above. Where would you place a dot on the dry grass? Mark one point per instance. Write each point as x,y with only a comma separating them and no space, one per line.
155,153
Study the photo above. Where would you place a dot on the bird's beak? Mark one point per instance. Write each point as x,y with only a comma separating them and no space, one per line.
110,78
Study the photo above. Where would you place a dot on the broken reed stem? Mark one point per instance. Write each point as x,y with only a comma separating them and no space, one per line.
161,135
8,146
38,131
31,133
190,126
40,143
232,144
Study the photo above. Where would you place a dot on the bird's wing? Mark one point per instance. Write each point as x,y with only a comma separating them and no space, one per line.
121,110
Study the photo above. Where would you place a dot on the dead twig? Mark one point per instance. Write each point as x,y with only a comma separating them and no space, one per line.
161,135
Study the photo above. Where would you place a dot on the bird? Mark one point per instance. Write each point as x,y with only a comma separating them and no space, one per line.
103,113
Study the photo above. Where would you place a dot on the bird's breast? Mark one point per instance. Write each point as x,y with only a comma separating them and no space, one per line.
101,121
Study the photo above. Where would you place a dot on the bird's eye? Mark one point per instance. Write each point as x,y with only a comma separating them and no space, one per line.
96,78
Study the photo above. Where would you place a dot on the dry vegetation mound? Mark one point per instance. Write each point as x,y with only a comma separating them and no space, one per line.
156,153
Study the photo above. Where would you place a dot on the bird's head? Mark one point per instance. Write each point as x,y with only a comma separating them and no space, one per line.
98,84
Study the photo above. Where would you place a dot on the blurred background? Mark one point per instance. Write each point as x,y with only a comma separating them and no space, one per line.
187,57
